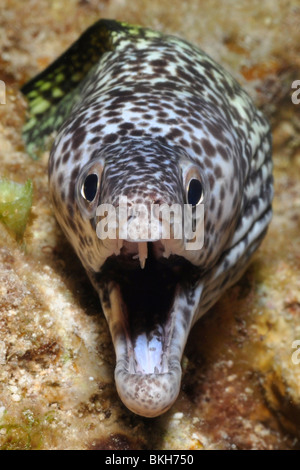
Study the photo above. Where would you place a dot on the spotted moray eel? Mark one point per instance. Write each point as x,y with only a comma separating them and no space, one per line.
148,116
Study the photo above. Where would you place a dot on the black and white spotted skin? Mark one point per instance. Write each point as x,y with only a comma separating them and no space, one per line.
153,113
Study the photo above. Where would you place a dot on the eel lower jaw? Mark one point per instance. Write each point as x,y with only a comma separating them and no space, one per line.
148,371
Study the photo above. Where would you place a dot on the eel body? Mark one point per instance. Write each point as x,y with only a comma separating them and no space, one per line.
151,120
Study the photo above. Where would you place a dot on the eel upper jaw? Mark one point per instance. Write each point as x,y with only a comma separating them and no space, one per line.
148,370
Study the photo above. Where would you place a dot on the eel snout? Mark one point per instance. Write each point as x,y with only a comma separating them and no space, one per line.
148,395
149,335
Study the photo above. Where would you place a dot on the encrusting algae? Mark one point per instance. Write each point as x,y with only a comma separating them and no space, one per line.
15,205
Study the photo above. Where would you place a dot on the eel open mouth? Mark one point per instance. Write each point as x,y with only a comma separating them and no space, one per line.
150,312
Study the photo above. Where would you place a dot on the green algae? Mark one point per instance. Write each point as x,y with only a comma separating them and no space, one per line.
26,434
15,205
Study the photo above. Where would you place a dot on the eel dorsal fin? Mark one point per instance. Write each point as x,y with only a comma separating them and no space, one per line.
52,93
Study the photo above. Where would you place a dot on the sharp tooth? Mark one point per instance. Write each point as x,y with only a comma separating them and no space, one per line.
143,253
119,246
167,250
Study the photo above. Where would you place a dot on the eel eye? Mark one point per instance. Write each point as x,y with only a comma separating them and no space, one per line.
90,187
194,192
